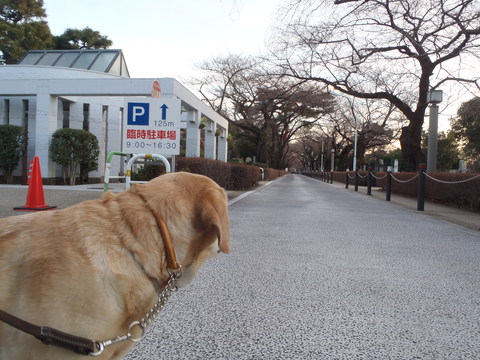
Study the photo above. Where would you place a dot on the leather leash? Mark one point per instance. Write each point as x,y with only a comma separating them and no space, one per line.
50,336
80,345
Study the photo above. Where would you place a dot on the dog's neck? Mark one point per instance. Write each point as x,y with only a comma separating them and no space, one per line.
169,251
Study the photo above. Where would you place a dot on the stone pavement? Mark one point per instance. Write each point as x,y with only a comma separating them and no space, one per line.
63,196
458,216
320,272
317,272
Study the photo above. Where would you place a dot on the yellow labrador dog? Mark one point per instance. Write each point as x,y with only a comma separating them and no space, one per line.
92,269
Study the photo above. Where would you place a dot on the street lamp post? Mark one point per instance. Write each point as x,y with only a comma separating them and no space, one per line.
434,97
332,160
321,158
355,147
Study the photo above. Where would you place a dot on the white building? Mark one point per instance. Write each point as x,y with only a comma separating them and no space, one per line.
87,89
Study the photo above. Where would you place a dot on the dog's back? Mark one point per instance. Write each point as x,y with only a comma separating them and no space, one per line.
92,269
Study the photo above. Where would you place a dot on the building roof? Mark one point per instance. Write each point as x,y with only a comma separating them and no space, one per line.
109,61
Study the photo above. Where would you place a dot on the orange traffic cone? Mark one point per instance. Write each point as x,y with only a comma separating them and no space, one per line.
35,196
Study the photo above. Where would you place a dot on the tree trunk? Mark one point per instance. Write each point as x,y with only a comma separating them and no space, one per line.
83,174
8,176
410,140
73,174
64,174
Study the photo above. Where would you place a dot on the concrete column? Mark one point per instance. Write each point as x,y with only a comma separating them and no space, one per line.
193,135
114,129
97,127
210,141
45,126
32,128
76,115
60,114
114,137
3,110
222,145
432,139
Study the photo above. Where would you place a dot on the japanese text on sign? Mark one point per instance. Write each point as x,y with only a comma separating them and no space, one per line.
152,125
152,134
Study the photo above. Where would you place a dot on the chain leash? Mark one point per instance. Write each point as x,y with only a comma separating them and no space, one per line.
150,316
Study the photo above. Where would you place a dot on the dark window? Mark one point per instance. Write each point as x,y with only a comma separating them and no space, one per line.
86,117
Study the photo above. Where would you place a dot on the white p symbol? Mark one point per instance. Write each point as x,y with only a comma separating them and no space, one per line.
137,111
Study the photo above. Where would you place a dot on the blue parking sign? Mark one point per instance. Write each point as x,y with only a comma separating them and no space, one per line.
138,113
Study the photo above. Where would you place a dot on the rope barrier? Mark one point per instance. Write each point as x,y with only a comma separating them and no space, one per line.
451,182
362,177
421,175
404,181
380,178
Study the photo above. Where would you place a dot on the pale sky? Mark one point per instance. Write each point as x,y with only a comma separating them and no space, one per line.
167,38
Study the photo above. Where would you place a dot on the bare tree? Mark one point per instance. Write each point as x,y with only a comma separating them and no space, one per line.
396,50
377,125
267,111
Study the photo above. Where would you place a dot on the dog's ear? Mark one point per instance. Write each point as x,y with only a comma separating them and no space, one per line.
217,221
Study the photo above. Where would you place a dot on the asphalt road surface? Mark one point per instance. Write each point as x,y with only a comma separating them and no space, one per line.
317,272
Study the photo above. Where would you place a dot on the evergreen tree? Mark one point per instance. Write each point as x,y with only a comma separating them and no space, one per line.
466,126
22,28
82,39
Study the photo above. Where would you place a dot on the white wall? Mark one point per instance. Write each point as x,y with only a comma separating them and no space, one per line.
44,86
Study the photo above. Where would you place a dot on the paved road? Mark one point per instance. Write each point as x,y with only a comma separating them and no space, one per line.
317,272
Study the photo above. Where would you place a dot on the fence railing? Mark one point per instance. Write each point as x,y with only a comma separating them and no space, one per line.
468,195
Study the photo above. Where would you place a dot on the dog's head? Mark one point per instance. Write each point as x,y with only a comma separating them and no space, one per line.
195,210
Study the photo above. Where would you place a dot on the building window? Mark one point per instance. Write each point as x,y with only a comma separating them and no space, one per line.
66,114
86,117
6,113
25,114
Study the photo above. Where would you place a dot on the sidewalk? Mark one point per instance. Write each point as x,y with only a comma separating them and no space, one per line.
63,196
452,214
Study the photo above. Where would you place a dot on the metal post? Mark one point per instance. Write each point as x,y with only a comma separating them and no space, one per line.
331,177
355,146
128,171
434,97
357,180
332,161
346,179
369,182
432,139
421,188
321,158
106,177
389,186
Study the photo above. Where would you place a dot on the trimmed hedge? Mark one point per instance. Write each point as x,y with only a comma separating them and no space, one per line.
216,170
272,174
228,176
243,177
